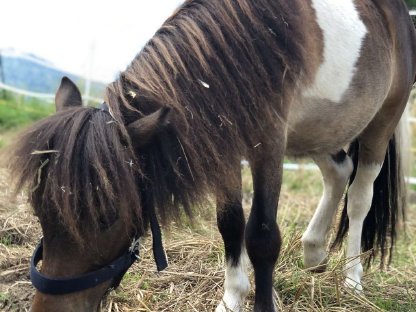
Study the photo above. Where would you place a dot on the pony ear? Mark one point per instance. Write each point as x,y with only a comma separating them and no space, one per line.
144,130
68,95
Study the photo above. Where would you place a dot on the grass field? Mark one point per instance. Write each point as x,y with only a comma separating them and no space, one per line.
15,114
193,281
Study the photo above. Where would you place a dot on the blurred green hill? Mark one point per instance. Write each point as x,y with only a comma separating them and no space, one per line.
28,72
411,3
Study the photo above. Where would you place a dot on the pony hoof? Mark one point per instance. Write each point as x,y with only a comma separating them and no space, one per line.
353,285
314,258
320,268
223,308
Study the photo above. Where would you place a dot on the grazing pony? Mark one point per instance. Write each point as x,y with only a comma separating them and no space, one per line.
219,82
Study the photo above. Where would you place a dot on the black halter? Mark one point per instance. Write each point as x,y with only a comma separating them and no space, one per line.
113,271
60,286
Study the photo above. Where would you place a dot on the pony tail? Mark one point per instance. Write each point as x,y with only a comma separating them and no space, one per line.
344,222
379,231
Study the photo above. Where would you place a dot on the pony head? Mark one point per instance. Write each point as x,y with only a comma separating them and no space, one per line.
87,188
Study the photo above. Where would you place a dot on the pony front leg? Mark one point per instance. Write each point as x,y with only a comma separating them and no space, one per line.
263,239
231,224
335,172
360,196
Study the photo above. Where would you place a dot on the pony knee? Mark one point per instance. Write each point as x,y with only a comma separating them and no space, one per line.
263,243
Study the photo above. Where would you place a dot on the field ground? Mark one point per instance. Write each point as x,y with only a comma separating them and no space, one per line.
193,281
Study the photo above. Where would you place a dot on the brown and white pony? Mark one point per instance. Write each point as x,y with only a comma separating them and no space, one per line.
219,82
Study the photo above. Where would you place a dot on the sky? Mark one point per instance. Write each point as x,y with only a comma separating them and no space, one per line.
86,37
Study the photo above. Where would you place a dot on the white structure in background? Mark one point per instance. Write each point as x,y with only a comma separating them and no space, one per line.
87,98
45,96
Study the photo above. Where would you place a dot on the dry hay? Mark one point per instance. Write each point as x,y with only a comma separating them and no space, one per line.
193,281
19,231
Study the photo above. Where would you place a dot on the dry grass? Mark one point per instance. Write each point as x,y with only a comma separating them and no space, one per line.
193,281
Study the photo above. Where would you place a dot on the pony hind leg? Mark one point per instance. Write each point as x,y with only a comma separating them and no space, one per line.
374,196
360,195
231,224
336,170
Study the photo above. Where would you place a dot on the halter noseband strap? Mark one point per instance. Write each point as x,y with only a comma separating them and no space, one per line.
113,271
60,286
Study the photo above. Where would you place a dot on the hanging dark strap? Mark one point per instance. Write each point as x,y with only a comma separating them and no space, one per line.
150,212
158,250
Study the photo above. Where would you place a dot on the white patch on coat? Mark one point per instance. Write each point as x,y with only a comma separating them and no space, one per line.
236,286
343,33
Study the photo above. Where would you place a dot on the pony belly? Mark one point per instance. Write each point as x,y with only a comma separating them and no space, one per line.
320,142
316,127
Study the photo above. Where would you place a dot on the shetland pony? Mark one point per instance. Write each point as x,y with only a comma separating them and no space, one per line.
219,82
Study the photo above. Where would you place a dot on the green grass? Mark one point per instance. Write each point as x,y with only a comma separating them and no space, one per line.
388,304
6,240
189,253
14,114
3,296
193,282
411,3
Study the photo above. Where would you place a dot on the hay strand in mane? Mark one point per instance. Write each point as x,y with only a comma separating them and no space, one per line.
219,65
75,166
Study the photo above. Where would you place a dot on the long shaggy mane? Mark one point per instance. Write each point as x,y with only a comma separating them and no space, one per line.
78,165
220,66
